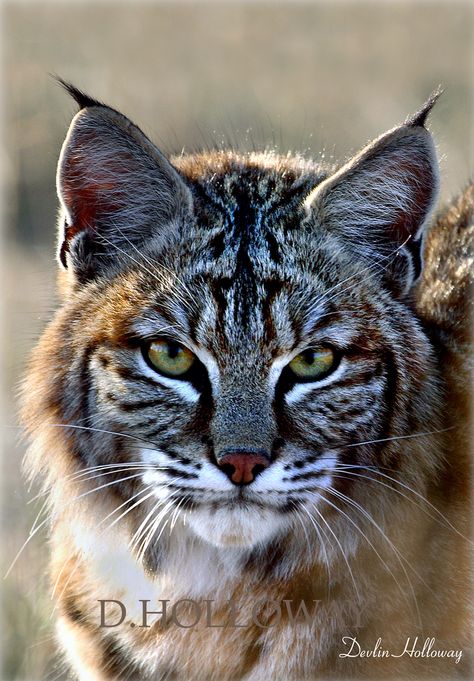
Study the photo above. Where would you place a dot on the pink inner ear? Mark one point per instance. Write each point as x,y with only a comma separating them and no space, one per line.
91,191
90,202
87,198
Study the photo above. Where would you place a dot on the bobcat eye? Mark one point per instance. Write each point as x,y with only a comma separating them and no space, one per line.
169,358
313,364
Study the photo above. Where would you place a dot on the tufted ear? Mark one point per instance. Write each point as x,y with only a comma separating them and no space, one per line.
115,189
381,200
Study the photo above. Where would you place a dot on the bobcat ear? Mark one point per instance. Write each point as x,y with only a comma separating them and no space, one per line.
116,190
382,198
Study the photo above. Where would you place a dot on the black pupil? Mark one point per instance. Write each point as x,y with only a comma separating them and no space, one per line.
308,356
173,350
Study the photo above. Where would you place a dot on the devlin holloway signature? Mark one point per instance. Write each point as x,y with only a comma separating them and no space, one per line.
413,648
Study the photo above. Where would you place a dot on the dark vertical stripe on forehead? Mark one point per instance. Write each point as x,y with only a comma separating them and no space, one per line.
273,248
217,245
272,288
219,290
243,223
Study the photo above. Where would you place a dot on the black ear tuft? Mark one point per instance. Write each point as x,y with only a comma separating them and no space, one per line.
80,97
418,119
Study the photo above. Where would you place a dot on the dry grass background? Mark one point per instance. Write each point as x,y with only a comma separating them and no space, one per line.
315,77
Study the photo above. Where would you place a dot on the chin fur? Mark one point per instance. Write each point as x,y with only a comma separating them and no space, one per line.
244,527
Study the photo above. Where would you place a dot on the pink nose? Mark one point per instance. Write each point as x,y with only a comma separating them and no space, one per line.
242,466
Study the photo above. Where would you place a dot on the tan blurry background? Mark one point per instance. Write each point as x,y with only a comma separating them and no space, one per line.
312,77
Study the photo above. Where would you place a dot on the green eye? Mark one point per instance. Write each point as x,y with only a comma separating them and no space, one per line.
313,364
170,359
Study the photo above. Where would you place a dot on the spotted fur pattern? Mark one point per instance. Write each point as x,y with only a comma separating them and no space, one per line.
247,260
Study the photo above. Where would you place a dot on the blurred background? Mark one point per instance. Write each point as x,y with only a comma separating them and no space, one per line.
318,78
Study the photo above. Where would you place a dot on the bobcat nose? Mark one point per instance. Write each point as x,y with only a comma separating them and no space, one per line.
243,465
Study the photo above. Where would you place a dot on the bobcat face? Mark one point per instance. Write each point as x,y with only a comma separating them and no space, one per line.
253,388
236,349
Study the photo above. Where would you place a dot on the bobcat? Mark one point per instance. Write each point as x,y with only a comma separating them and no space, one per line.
252,404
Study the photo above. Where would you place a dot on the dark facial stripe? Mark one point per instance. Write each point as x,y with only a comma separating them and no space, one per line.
272,289
219,289
74,613
391,391
310,475
133,406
